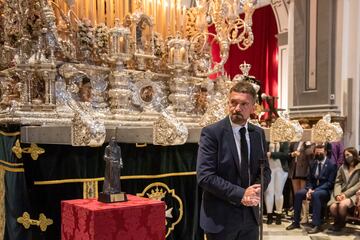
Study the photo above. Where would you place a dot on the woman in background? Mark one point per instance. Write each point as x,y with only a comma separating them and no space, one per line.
302,155
346,185
279,165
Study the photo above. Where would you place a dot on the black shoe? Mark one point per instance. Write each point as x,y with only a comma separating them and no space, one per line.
293,226
278,219
335,228
314,230
269,218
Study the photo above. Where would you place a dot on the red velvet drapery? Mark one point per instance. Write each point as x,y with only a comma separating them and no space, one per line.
262,55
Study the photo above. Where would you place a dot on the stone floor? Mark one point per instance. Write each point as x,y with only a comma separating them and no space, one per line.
278,232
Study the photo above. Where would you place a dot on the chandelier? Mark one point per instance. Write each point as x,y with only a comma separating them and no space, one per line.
230,28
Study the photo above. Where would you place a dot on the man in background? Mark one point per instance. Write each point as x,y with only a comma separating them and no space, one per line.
317,190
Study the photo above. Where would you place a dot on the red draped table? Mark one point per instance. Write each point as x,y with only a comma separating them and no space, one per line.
137,219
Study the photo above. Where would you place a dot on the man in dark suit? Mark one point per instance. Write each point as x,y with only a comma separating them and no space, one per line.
318,188
228,170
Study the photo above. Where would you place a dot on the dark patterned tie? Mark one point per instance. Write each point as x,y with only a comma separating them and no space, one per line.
319,171
244,169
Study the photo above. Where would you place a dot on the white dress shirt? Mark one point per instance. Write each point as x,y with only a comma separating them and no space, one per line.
236,132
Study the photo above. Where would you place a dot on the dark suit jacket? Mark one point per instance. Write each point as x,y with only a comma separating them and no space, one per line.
218,174
327,177
301,168
283,155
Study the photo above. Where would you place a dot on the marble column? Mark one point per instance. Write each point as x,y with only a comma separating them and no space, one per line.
347,68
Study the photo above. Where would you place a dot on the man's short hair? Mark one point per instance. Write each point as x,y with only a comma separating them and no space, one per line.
320,145
244,87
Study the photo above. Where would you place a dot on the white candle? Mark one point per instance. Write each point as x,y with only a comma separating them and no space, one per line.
168,12
182,14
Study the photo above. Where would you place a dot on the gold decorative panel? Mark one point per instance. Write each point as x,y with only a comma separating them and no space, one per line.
160,191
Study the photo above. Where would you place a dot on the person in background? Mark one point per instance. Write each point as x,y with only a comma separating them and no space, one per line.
346,184
302,155
278,156
336,152
357,205
319,185
228,170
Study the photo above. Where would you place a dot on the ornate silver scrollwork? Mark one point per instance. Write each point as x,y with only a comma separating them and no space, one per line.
326,131
285,130
218,107
87,128
167,130
147,94
87,131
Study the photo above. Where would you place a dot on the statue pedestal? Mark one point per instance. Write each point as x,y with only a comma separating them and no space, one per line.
112,197
138,218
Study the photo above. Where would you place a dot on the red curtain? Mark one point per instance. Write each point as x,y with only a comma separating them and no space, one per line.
262,55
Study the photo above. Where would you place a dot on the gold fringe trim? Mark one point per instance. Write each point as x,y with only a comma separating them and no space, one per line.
159,175
90,189
140,145
82,180
2,204
9,169
79,180
12,164
13,134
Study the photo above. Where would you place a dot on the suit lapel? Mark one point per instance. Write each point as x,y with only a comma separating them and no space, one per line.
313,169
323,169
230,135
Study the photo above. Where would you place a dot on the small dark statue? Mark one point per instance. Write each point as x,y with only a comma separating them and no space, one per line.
113,163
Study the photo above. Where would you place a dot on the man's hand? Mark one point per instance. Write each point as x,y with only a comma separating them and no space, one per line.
252,196
309,193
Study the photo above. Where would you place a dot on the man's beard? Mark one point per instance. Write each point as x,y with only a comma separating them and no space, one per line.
237,118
